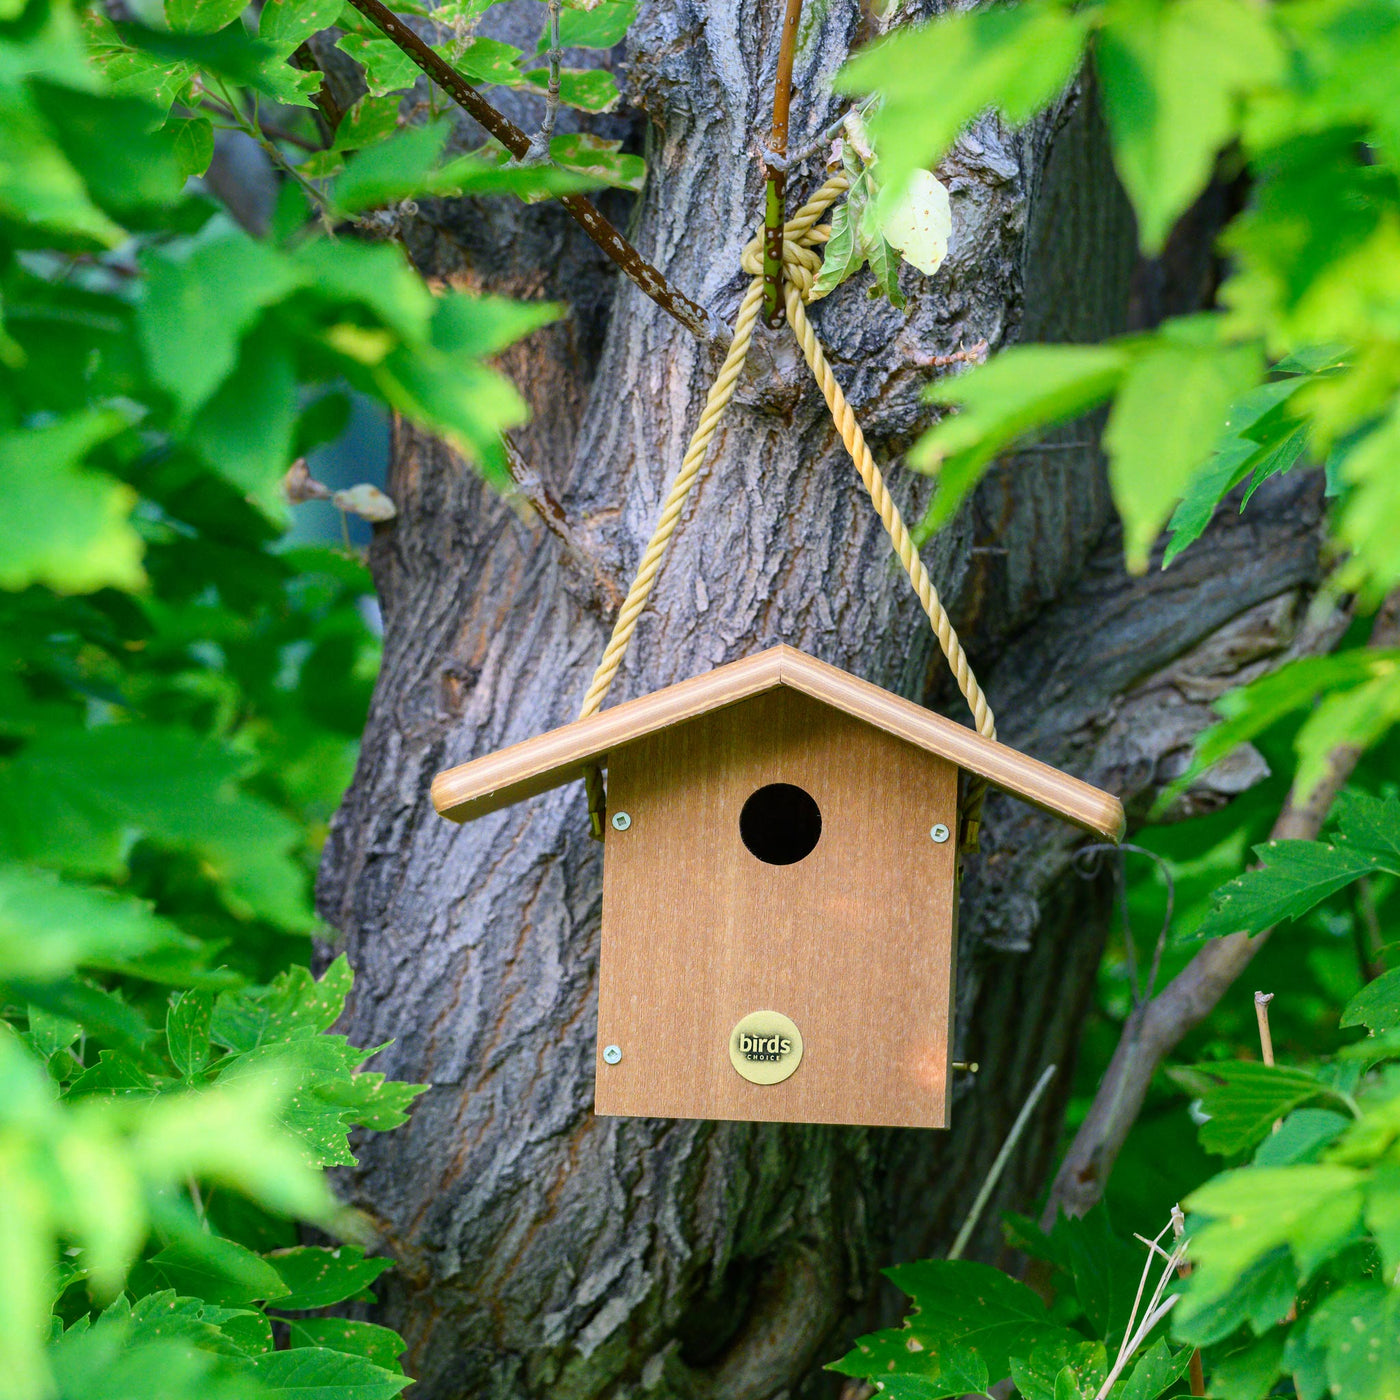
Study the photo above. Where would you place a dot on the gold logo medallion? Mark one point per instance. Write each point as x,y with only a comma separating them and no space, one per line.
765,1047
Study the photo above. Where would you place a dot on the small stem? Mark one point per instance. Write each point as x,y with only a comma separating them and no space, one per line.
776,168
252,129
1266,1039
999,1165
699,322
539,147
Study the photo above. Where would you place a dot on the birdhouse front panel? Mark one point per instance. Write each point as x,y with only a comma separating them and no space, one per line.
779,897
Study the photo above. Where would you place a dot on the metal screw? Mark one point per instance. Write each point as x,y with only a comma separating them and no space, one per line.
612,1053
939,833
621,821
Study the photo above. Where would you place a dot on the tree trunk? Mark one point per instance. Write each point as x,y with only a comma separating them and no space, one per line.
547,1252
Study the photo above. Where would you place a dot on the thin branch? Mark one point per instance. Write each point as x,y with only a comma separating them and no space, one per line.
775,169
699,322
1266,1039
539,147
999,1165
1156,1028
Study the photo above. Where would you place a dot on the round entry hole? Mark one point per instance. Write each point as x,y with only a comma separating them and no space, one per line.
780,824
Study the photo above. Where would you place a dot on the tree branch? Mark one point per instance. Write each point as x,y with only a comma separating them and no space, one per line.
699,322
1155,1028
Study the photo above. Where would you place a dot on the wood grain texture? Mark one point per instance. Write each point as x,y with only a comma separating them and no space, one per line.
852,942
549,760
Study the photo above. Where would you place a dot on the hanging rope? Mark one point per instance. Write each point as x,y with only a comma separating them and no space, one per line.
801,263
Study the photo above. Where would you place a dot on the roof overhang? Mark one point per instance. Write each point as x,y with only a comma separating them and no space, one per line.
548,761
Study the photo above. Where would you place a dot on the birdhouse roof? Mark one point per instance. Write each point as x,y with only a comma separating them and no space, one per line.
550,760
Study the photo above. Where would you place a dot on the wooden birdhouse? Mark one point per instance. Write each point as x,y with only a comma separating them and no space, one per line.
780,883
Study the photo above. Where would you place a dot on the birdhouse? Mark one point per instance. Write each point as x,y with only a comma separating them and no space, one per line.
780,886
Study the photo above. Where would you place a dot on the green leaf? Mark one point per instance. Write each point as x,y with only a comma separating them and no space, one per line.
202,16
65,525
1249,1373
377,278
843,256
245,430
1172,75
1261,1294
1243,1099
287,23
194,144
49,928
1058,1366
588,89
969,1307
1168,414
313,1373
1301,1137
387,67
1377,1005
1358,1328
316,1277
377,1344
1314,1210
200,300
1156,1371
602,27
187,1030
128,168
490,61
1023,389
1294,876
218,1270
294,1004
601,162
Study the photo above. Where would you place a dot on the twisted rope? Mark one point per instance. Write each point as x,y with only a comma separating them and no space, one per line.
801,263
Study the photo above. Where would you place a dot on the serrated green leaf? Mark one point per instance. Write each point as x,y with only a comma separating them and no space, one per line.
1243,1099
484,60
287,23
1249,1372
1293,877
1377,1005
1156,1371
221,1271
1358,1329
1301,1137
843,256
1058,1366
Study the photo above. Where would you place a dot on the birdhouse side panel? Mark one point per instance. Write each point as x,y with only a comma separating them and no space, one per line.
713,911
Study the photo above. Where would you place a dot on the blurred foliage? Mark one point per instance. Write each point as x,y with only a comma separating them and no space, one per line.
1299,362
181,696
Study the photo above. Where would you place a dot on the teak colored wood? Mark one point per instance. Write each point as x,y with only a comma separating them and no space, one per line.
550,760
854,942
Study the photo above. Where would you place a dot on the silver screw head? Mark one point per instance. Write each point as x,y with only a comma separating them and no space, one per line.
621,821
939,833
612,1053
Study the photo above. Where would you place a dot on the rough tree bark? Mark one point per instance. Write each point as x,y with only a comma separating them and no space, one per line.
546,1252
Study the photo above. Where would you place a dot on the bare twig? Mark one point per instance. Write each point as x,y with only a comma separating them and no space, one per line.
1183,1270
999,1165
328,110
775,169
539,147
1156,1028
699,322
1266,1039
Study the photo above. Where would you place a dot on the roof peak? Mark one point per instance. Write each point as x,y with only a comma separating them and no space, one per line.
549,760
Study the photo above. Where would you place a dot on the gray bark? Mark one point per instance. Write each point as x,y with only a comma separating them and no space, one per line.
546,1252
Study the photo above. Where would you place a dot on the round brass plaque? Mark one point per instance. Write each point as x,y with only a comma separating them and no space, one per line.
765,1047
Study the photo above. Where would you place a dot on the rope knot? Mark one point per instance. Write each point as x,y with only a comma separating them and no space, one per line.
801,236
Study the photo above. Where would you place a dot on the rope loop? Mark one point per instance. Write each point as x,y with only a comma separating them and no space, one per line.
801,263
